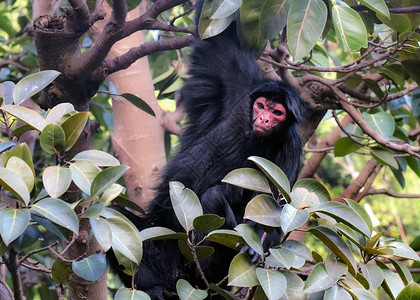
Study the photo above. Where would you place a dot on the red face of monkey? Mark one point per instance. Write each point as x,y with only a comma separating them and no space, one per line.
267,116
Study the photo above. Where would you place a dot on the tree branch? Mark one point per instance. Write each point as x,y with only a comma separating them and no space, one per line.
391,193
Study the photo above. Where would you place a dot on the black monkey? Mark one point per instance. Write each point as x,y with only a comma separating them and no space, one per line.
232,113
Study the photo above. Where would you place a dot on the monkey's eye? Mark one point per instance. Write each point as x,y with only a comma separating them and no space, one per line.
278,113
260,105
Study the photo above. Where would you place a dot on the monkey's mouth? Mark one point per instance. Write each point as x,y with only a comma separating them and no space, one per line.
261,131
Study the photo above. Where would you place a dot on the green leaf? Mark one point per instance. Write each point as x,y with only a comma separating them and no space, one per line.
73,127
249,13
402,271
349,28
185,204
335,266
102,232
392,283
361,211
273,283
242,272
304,199
226,237
264,210
318,280
355,237
345,146
13,223
292,218
139,103
410,292
273,17
381,122
105,179
208,27
361,293
187,292
208,222
6,91
337,293
294,289
226,8
90,268
284,256
378,6
83,174
56,114
21,168
305,23
57,211
248,178
124,293
52,139
337,245
275,174
251,237
161,233
22,151
60,271
26,115
98,158
112,192
384,157
314,186
12,182
56,180
298,248
346,215
32,84
404,251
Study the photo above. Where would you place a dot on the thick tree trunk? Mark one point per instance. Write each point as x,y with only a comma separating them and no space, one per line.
138,139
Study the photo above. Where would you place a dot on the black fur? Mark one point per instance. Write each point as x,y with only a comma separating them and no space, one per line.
223,82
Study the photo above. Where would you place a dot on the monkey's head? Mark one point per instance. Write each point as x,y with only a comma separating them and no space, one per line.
275,105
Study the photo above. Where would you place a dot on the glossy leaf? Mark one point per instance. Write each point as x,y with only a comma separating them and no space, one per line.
98,158
264,210
52,139
102,232
112,192
378,6
124,293
90,268
304,199
83,174
10,181
349,28
251,237
318,280
337,245
410,292
284,256
57,211
249,14
361,211
139,103
208,222
187,292
273,17
305,23
32,84
392,283
105,179
19,167
294,289
226,8
355,237
242,272
6,91
125,238
55,114
248,178
22,151
292,218
345,214
273,283
56,180
298,248
335,267
13,223
337,293
226,237
73,127
345,146
26,115
404,251
402,271
185,203
275,174
208,27
161,233
314,186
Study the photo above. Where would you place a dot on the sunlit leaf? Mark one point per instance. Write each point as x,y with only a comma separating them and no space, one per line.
106,178
12,182
318,280
337,293
90,268
314,186
26,115
83,174
57,211
32,84
56,180
55,114
21,168
208,27
404,251
264,210
6,91
242,272
292,218
345,146
139,103
273,283
248,178
98,158
410,292
73,127
381,122
52,139
378,6
13,223
102,232
305,23
161,233
251,237
226,8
